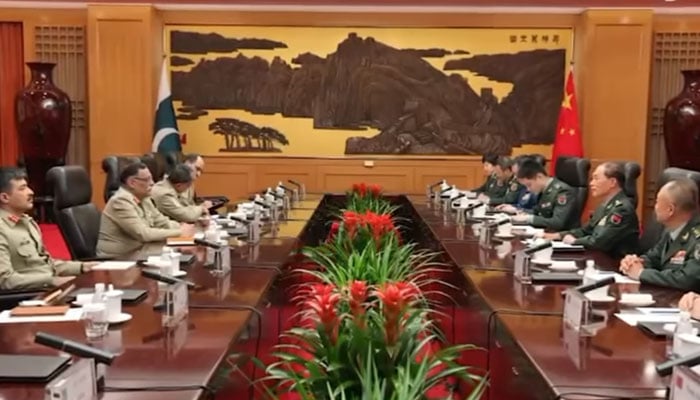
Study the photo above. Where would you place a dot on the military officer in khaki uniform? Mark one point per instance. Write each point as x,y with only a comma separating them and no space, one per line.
196,163
675,260
170,196
614,226
504,174
556,206
24,261
130,218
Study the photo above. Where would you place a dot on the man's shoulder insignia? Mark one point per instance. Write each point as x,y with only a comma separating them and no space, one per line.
616,219
562,199
514,187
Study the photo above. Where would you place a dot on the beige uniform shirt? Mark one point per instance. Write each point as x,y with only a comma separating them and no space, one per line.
128,223
175,205
24,261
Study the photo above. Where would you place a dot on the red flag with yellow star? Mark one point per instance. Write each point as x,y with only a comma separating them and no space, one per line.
567,139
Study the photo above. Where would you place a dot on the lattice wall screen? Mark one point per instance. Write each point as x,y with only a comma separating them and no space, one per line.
673,52
65,46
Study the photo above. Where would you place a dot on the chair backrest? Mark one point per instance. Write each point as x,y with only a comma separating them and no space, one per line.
157,163
112,165
653,230
632,170
574,172
76,216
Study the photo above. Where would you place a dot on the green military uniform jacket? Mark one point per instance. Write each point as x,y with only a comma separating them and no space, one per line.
492,187
510,196
24,261
613,228
128,223
555,208
675,263
175,205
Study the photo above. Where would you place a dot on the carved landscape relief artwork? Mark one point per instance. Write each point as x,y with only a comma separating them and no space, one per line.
329,91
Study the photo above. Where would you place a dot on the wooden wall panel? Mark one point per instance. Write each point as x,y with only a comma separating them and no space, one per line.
238,177
121,83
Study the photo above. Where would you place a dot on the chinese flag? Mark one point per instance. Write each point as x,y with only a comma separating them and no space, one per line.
567,140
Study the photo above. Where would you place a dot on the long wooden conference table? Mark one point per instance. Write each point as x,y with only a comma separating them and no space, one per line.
530,355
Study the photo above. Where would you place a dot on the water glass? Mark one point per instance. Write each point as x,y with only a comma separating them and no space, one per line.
95,320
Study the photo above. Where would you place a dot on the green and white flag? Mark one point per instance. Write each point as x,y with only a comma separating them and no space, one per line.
166,137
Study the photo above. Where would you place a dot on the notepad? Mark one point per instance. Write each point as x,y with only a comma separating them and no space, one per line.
72,314
113,265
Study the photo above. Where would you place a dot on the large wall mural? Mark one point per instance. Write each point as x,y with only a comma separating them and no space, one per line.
317,91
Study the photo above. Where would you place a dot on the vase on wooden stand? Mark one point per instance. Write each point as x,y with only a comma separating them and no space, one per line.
682,124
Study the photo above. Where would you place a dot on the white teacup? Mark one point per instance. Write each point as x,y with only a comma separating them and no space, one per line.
544,254
479,211
688,343
505,229
113,301
84,298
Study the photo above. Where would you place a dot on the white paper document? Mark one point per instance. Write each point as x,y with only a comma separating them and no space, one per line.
634,318
73,314
619,278
113,265
556,244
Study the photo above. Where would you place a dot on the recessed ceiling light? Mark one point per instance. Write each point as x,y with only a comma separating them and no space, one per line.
669,1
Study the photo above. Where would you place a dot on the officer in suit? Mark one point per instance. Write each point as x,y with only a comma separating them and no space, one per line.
492,187
196,163
130,218
675,260
171,198
525,201
555,207
614,226
504,173
24,261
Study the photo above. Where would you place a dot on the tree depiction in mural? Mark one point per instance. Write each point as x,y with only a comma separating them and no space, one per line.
242,136
417,107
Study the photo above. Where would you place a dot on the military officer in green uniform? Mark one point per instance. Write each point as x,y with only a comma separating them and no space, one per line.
130,219
171,198
492,187
555,208
614,226
24,261
513,189
675,260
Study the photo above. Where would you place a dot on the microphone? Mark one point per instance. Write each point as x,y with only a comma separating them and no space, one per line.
75,348
538,247
473,206
261,204
206,243
595,285
459,196
666,367
275,195
494,224
436,184
286,189
241,220
170,280
295,183
445,190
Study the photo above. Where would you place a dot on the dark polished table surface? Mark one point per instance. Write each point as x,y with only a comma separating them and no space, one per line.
618,360
184,355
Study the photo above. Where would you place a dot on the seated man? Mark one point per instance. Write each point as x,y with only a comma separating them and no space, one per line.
526,201
130,218
24,261
492,187
614,226
504,173
171,198
675,260
555,207
196,163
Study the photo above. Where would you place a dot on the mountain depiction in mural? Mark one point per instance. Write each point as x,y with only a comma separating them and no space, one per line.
418,108
243,136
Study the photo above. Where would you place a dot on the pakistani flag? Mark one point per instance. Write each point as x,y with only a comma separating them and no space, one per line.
166,138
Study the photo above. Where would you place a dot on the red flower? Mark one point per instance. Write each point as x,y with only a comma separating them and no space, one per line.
375,190
335,227
395,297
322,305
358,295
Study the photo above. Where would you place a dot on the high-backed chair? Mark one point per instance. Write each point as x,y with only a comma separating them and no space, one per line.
157,164
632,170
574,172
652,230
77,218
112,165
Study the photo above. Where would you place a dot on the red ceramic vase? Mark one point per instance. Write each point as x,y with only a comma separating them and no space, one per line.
682,124
43,114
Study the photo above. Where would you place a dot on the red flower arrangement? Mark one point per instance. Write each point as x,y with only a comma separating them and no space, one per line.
363,189
353,223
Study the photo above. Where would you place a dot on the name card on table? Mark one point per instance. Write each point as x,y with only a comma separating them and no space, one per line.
576,310
176,303
222,259
685,384
521,267
78,382
576,346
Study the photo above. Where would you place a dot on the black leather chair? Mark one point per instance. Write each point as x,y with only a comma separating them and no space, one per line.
632,171
574,171
76,216
112,165
157,163
652,230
